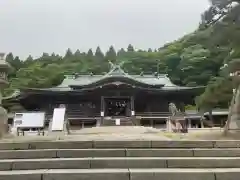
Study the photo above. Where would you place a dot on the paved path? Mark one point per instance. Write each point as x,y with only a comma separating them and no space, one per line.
98,133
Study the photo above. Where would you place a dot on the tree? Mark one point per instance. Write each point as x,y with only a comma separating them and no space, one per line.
68,54
14,65
111,54
218,10
77,53
172,62
29,60
193,64
99,54
9,58
150,50
90,53
130,48
121,53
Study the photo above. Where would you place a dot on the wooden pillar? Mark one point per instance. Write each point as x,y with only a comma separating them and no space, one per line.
182,107
189,123
151,123
202,124
101,112
132,106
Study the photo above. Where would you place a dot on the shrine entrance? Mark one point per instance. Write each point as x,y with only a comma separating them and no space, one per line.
117,106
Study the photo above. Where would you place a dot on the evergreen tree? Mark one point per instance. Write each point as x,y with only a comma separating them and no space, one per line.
90,53
30,58
68,54
111,54
28,61
150,50
99,54
130,48
16,63
121,52
9,58
77,53
14,66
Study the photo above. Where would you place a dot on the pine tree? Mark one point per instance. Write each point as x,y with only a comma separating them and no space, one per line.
99,54
90,53
68,54
121,53
16,63
150,50
28,61
111,54
77,53
130,48
29,58
9,58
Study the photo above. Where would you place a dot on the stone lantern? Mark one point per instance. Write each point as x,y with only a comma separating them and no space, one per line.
4,67
233,121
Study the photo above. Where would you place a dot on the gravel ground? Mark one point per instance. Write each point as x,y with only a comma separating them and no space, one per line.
97,133
127,133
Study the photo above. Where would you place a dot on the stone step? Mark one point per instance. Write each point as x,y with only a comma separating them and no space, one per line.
122,174
81,153
123,122
102,163
117,144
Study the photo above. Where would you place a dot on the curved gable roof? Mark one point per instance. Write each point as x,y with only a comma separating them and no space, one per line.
118,74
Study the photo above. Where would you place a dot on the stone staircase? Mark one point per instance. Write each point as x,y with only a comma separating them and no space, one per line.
120,160
124,121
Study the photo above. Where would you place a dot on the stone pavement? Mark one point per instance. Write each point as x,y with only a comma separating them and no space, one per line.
98,133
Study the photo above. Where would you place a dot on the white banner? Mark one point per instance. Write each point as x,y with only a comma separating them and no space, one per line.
58,119
118,122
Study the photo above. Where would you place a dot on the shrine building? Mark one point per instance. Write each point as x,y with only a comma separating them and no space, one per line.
96,100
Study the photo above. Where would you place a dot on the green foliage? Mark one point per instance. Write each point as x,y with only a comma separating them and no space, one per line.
190,107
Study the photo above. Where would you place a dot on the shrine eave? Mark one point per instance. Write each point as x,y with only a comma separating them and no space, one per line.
70,90
27,92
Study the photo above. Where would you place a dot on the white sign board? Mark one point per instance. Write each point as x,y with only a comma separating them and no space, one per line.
58,119
117,122
133,113
29,120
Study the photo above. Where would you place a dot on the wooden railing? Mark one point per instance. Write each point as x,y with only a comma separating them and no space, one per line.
76,115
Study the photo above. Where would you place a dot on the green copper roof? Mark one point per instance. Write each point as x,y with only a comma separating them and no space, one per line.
115,76
116,72
87,79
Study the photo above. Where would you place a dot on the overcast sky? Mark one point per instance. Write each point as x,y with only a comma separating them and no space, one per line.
37,26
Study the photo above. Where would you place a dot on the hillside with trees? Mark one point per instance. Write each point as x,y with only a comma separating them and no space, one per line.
193,60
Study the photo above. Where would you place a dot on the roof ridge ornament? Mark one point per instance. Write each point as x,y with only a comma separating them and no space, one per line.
114,66
116,69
